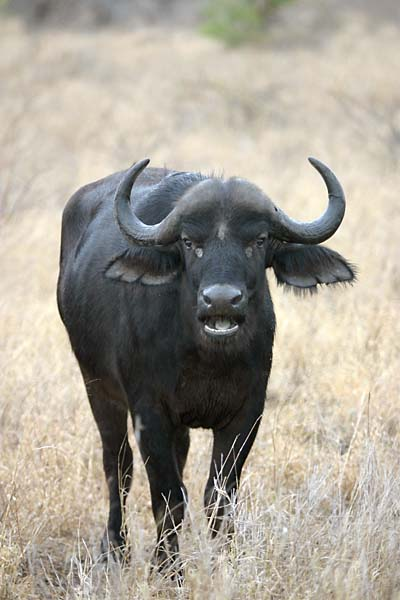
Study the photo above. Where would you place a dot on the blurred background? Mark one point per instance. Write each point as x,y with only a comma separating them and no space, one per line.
240,87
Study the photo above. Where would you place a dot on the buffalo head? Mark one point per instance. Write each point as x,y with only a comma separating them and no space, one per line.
226,233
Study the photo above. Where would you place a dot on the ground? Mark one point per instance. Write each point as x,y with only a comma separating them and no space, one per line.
318,514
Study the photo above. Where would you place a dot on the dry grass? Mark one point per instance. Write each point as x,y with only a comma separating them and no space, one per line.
318,515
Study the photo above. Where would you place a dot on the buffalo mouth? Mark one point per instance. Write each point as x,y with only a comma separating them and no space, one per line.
220,326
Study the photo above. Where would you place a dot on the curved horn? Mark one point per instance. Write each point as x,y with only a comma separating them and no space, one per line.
131,226
314,232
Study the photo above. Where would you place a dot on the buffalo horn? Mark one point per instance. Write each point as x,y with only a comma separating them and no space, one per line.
313,232
282,227
131,226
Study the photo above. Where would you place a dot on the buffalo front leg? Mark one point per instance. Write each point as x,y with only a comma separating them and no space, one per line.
231,447
181,445
111,419
157,441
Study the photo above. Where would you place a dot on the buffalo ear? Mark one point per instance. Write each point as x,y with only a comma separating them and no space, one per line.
124,270
145,266
304,267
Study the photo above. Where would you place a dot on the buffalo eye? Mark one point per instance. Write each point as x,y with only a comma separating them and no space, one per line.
260,241
191,245
188,243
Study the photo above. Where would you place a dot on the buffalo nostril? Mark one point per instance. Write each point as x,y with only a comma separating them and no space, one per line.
237,298
207,299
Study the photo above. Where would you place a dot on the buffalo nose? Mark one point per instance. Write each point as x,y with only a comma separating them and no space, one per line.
223,296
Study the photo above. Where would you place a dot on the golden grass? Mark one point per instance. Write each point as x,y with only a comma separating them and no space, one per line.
318,513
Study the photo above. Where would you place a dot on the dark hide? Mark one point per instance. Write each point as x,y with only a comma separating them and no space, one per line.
137,320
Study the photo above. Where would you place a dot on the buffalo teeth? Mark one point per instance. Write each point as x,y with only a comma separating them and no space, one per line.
223,324
221,328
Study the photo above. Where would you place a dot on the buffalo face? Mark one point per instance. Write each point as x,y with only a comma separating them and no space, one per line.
223,276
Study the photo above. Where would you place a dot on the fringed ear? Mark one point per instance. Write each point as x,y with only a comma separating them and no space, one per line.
304,267
148,266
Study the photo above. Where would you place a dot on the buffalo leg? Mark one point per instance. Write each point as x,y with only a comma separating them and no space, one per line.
231,447
158,448
181,445
111,419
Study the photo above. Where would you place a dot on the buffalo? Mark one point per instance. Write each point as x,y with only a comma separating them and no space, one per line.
163,292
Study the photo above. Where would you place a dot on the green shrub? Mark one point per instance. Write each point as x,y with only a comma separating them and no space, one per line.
235,21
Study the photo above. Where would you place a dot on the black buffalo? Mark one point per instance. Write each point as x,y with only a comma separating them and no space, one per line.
163,292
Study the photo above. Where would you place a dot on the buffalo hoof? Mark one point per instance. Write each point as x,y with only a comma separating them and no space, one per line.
167,564
114,547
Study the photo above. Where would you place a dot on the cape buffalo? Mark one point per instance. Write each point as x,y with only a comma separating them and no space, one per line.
163,292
